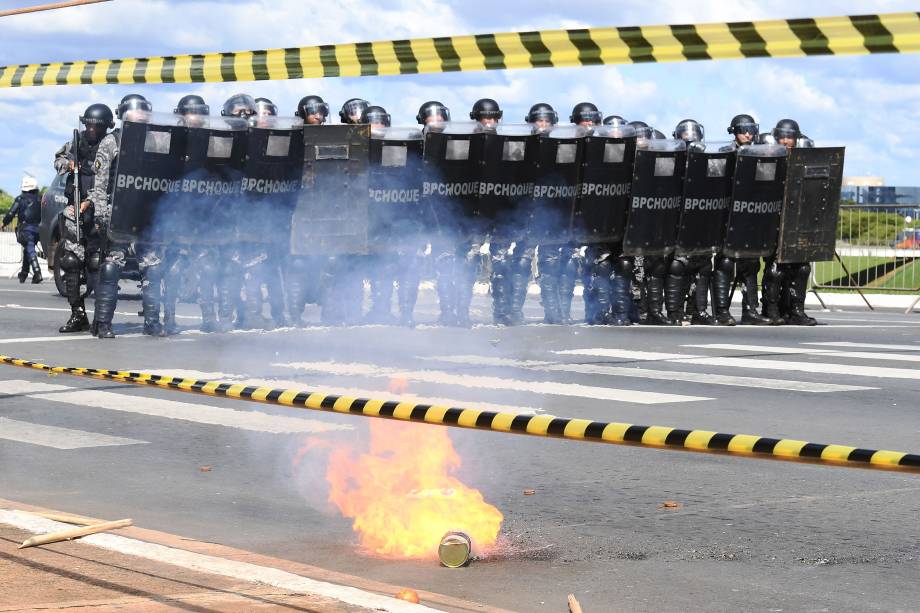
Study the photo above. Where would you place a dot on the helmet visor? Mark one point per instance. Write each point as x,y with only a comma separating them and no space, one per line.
314,107
746,128
543,115
434,112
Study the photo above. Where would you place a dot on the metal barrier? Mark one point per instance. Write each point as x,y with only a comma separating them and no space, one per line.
10,250
878,249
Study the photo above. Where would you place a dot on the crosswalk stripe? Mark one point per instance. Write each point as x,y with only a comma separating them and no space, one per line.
551,388
253,421
761,364
868,346
661,375
52,339
626,354
859,355
58,438
383,394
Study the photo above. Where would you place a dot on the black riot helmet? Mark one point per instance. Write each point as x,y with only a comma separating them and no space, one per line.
743,124
352,109
542,111
239,105
614,120
787,128
375,115
585,112
486,108
312,105
642,129
689,130
132,102
265,107
192,105
97,118
431,111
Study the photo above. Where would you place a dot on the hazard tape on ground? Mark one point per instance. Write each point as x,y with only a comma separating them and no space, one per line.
659,437
839,35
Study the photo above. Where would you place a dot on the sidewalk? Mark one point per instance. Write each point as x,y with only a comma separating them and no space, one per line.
135,569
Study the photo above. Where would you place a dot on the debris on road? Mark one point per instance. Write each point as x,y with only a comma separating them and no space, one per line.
75,533
529,492
409,595
670,504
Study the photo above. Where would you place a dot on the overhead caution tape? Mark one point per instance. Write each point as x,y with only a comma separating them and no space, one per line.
549,426
842,35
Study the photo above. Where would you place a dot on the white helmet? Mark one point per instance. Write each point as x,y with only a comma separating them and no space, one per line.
28,183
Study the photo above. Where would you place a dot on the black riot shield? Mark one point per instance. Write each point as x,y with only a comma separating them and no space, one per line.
606,178
148,170
757,202
707,196
808,228
209,206
271,178
331,217
506,165
394,187
555,184
656,198
450,179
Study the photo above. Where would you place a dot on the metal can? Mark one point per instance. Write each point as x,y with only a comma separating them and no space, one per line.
455,549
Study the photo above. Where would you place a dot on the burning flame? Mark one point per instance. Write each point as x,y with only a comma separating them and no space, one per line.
402,496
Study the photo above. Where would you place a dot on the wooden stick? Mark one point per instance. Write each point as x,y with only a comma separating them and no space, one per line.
70,519
75,533
48,7
574,607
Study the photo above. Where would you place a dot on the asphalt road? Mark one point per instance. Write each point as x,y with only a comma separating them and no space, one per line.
749,535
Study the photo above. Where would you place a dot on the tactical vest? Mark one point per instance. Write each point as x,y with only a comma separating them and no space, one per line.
30,208
87,157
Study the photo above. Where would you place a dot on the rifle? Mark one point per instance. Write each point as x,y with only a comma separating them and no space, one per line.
75,152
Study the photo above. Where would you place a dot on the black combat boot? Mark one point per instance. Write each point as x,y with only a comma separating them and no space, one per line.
501,295
77,322
721,297
520,281
620,300
798,290
750,315
24,273
106,299
771,298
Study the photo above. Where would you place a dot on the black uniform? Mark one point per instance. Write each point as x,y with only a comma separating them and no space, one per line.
27,211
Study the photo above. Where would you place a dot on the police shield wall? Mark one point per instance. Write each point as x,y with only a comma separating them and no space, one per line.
271,177
808,228
555,185
505,176
606,178
394,187
207,210
331,217
707,197
148,170
450,177
757,202
656,198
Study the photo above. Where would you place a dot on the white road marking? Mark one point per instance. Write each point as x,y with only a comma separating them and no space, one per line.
253,421
552,388
662,375
608,352
55,339
762,364
88,310
346,391
869,346
834,353
243,571
58,438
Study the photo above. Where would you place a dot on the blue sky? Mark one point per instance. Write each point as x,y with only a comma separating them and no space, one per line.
869,103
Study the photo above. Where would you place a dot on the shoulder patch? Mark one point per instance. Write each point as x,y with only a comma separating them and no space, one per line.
97,164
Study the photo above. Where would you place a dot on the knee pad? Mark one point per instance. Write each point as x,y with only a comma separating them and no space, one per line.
677,267
725,265
623,266
70,262
656,267
109,272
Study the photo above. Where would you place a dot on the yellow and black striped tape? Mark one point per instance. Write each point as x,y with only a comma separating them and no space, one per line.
843,35
534,425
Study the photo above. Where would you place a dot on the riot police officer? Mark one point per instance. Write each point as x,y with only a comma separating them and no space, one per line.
97,119
342,282
230,282
149,257
27,210
785,285
313,110
200,258
487,112
302,273
688,272
744,271
614,120
543,116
